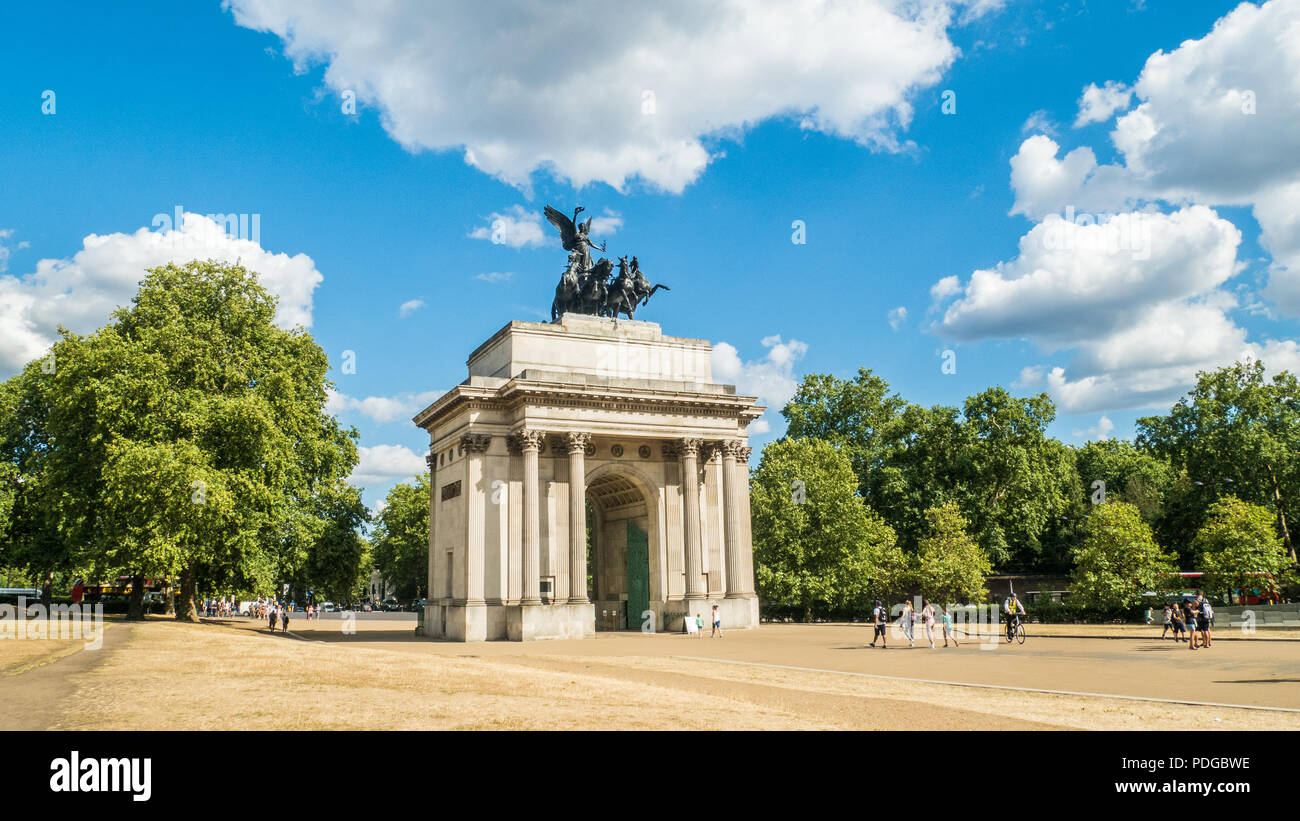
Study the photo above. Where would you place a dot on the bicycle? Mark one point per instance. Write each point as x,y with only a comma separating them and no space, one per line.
1015,631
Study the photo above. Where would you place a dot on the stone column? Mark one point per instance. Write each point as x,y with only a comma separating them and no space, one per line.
737,585
431,459
474,445
691,492
529,443
576,443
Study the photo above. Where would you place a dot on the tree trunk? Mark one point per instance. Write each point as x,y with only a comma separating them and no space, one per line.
185,604
170,608
1281,517
135,603
47,588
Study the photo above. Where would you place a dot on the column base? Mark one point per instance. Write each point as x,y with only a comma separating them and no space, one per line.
533,622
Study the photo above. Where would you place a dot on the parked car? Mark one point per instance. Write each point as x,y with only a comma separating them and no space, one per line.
328,606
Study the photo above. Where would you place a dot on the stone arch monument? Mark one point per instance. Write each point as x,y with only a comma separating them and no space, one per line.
608,424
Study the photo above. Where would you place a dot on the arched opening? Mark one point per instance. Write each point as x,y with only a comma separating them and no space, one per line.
619,551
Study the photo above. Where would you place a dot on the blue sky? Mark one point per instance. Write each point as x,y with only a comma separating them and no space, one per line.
763,114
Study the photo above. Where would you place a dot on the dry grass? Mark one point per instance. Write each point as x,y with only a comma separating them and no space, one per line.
187,677
165,675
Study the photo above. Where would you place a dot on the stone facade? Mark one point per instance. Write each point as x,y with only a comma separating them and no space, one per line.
599,421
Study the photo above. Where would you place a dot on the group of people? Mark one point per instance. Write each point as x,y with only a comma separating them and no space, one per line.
222,608
1190,620
907,623
716,619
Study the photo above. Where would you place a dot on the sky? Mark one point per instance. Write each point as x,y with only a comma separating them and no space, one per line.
1096,200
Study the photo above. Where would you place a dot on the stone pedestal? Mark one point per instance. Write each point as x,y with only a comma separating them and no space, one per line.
587,424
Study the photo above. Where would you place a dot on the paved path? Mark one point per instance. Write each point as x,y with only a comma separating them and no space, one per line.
1245,672
38,698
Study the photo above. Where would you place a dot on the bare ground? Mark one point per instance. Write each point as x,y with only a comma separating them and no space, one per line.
164,675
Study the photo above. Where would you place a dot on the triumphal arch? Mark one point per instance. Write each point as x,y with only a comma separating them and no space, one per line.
588,475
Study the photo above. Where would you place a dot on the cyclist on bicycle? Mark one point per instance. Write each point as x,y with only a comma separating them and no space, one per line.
1013,610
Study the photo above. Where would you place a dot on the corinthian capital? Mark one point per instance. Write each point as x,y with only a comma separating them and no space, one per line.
735,449
577,442
475,442
691,447
526,440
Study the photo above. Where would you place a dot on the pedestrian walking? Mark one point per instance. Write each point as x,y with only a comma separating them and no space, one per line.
1207,619
1168,621
272,619
699,626
908,623
717,623
948,632
880,617
284,619
1193,618
927,619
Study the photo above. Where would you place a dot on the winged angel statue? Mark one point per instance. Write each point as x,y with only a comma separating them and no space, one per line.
588,288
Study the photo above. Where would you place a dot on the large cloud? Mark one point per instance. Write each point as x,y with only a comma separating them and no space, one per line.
80,292
1072,282
1215,125
599,91
383,464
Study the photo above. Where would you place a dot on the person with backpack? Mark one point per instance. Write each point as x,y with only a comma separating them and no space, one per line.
1207,619
880,617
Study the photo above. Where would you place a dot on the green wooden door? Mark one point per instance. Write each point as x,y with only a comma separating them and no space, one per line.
638,575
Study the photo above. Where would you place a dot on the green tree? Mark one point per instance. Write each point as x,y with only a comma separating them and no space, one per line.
189,434
992,457
814,539
1238,548
30,540
1117,559
1236,432
400,542
950,565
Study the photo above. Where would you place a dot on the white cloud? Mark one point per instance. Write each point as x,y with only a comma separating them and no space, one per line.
523,86
1216,125
380,409
1073,282
1099,104
606,224
409,307
384,463
517,228
1099,432
80,292
771,378
495,276
5,250
1039,122
897,316
944,288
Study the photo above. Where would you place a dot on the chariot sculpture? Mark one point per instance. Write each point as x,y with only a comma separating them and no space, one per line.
593,288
